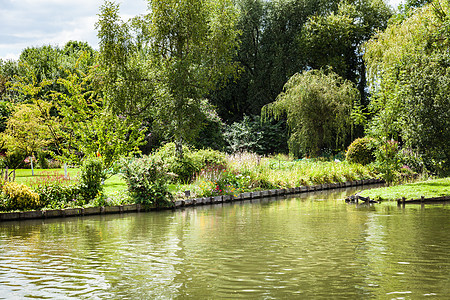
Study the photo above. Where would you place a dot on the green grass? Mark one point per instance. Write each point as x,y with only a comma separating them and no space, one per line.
428,189
113,184
24,175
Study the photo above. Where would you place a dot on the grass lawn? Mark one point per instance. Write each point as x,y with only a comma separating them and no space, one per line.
428,189
112,184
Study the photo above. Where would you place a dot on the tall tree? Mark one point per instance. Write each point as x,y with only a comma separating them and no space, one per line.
409,69
317,106
181,50
281,38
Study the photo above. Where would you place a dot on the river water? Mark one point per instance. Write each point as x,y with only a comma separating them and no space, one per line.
312,246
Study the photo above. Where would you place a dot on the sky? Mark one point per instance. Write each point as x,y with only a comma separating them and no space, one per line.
27,23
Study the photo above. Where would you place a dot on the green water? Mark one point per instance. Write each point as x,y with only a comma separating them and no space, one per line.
315,246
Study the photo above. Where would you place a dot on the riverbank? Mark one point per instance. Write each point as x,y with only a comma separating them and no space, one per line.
428,189
81,211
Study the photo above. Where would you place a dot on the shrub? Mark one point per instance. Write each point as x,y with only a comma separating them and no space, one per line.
55,190
192,162
361,151
147,181
207,157
388,160
54,164
20,197
183,168
91,178
56,195
253,135
42,160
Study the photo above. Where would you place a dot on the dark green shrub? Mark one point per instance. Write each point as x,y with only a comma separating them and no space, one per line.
92,173
147,181
361,151
42,160
252,135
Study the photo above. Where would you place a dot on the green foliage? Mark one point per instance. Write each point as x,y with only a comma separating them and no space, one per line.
5,113
253,135
92,174
13,160
361,151
192,162
281,38
55,190
20,197
165,63
87,127
43,162
25,132
216,180
317,106
409,67
55,195
147,181
388,160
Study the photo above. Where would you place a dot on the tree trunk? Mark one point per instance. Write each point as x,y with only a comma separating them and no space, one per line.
179,147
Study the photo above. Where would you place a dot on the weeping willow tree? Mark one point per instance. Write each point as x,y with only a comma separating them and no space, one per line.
317,105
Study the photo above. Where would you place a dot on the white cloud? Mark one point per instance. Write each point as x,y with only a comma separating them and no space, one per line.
26,23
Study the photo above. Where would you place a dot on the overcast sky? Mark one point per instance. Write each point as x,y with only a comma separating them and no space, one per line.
25,23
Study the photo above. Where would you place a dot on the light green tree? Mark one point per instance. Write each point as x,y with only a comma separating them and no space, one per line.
317,106
25,134
86,128
76,119
165,63
409,71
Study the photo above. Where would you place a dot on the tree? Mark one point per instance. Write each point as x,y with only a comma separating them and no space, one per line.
409,69
317,106
87,129
24,135
174,55
281,38
76,118
334,39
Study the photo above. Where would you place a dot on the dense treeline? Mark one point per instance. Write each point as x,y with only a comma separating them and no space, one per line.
201,73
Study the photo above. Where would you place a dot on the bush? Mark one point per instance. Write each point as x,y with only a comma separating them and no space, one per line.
207,157
20,197
192,162
147,181
361,151
54,164
91,178
388,160
253,135
56,195
42,160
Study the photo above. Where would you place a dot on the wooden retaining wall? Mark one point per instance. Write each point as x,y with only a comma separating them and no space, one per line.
72,212
423,200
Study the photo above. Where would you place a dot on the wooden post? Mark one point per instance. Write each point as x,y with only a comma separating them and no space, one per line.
65,170
422,200
403,202
32,169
